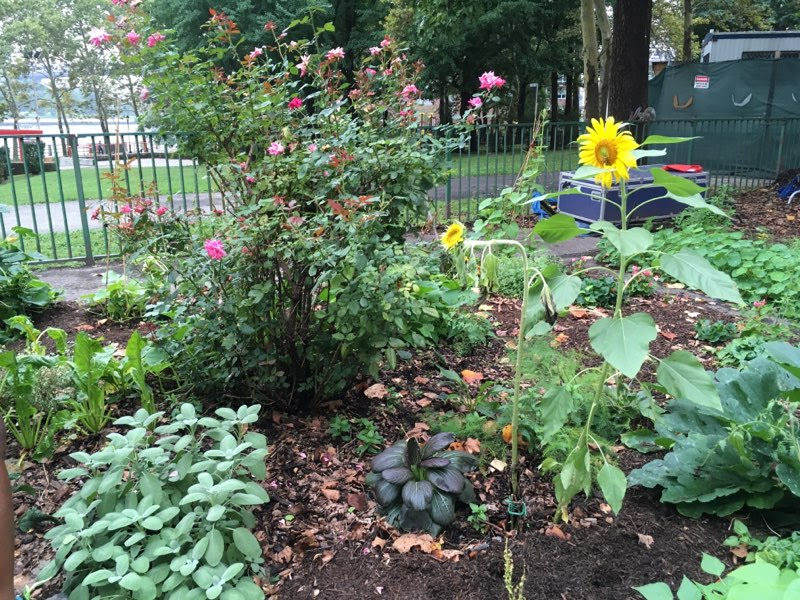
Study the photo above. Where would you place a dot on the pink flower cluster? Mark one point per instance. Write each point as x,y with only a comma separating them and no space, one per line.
759,303
275,148
154,39
133,38
409,91
475,102
335,54
295,103
98,36
256,53
214,249
490,81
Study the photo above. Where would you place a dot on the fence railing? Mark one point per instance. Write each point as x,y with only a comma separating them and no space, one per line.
51,183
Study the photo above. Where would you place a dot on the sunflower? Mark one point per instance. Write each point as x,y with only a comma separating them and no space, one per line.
603,146
453,236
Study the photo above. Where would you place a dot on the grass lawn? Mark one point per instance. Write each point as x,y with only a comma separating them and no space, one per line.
168,181
74,241
507,163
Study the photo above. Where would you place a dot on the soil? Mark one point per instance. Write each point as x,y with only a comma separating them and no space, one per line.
322,536
762,211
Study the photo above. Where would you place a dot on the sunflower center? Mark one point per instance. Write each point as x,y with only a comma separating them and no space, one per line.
605,152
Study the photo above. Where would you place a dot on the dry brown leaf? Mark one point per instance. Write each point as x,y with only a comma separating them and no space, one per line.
645,540
558,340
605,508
84,327
471,377
472,446
421,380
417,430
357,501
407,541
668,335
379,542
376,391
447,555
740,551
577,312
423,402
555,531
457,446
332,495
284,556
498,465
790,217
674,286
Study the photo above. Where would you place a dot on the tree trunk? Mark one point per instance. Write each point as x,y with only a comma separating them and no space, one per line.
523,96
568,107
605,52
630,56
554,96
590,58
576,107
686,55
134,103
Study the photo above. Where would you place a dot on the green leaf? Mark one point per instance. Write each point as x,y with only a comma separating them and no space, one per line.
555,406
215,549
558,228
675,184
790,476
666,139
685,379
589,172
417,494
697,201
613,484
695,271
712,565
628,242
246,543
624,341
131,582
639,153
689,590
655,591
564,290
442,507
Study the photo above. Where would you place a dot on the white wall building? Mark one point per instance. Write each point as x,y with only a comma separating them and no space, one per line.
748,45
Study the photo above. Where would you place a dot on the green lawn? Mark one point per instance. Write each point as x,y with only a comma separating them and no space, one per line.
74,241
168,181
507,163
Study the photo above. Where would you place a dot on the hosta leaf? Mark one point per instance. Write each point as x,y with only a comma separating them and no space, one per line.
397,475
467,495
558,228
435,463
463,461
684,378
386,493
448,479
417,494
393,456
624,341
442,507
695,271
246,543
790,476
373,478
628,241
413,452
437,442
613,484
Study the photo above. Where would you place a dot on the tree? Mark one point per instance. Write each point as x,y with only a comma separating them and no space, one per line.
630,57
686,54
591,59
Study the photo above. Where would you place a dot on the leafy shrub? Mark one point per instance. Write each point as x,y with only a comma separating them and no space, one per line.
597,291
33,155
417,486
714,332
741,351
121,299
781,552
468,330
20,292
510,274
165,516
757,580
741,452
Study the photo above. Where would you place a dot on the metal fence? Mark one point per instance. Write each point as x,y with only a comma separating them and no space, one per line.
52,183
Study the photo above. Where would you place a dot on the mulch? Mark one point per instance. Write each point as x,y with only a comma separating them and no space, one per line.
322,536
762,212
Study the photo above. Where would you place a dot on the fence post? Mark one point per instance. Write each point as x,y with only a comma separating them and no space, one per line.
780,149
449,186
76,165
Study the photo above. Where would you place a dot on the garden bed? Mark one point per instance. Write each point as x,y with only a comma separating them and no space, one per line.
321,534
763,211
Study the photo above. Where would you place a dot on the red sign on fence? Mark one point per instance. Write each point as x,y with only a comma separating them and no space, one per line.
701,82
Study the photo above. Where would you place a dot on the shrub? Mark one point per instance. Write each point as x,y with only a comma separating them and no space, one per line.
714,332
165,516
741,351
121,299
597,291
417,486
3,164
467,331
782,552
33,155
742,452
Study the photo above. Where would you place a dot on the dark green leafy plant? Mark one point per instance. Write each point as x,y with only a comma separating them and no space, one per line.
743,452
741,351
597,291
340,428
369,438
479,517
781,552
165,516
417,485
121,299
714,332
467,331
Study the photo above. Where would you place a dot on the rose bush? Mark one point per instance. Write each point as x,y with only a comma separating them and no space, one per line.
301,280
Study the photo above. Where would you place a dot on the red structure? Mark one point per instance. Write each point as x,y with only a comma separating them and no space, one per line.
20,133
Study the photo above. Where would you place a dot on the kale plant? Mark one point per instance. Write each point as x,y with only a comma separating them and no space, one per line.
417,485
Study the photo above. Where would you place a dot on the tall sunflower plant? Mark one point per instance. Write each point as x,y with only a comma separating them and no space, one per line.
607,153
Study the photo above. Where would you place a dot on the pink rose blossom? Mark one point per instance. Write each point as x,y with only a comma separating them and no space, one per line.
119,2
409,91
295,221
98,37
489,80
370,72
276,148
386,42
256,53
140,209
144,94
270,26
335,54
250,179
312,147
303,64
295,103
125,209
374,50
161,211
214,249
760,303
95,213
154,39
475,102
133,38
387,72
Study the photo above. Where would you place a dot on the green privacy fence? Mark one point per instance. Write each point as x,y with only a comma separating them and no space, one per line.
52,183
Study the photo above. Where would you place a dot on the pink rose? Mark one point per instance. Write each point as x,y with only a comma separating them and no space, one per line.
161,211
312,147
335,54
125,209
374,50
250,179
409,91
303,64
370,72
214,249
760,303
386,42
144,94
295,103
154,39
133,38
475,102
489,80
275,148
98,36
256,53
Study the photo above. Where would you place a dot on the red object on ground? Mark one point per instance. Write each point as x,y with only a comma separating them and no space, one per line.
683,168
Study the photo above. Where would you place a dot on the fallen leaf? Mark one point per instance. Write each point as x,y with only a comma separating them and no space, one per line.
555,531
357,501
498,465
423,402
284,556
668,335
332,495
327,557
376,391
577,312
379,542
471,376
605,508
645,540
674,286
407,541
84,327
559,339
486,307
692,314
421,380
740,551
457,446
450,555
417,430
790,217
472,446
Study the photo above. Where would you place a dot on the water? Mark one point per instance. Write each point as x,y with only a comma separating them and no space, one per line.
78,126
